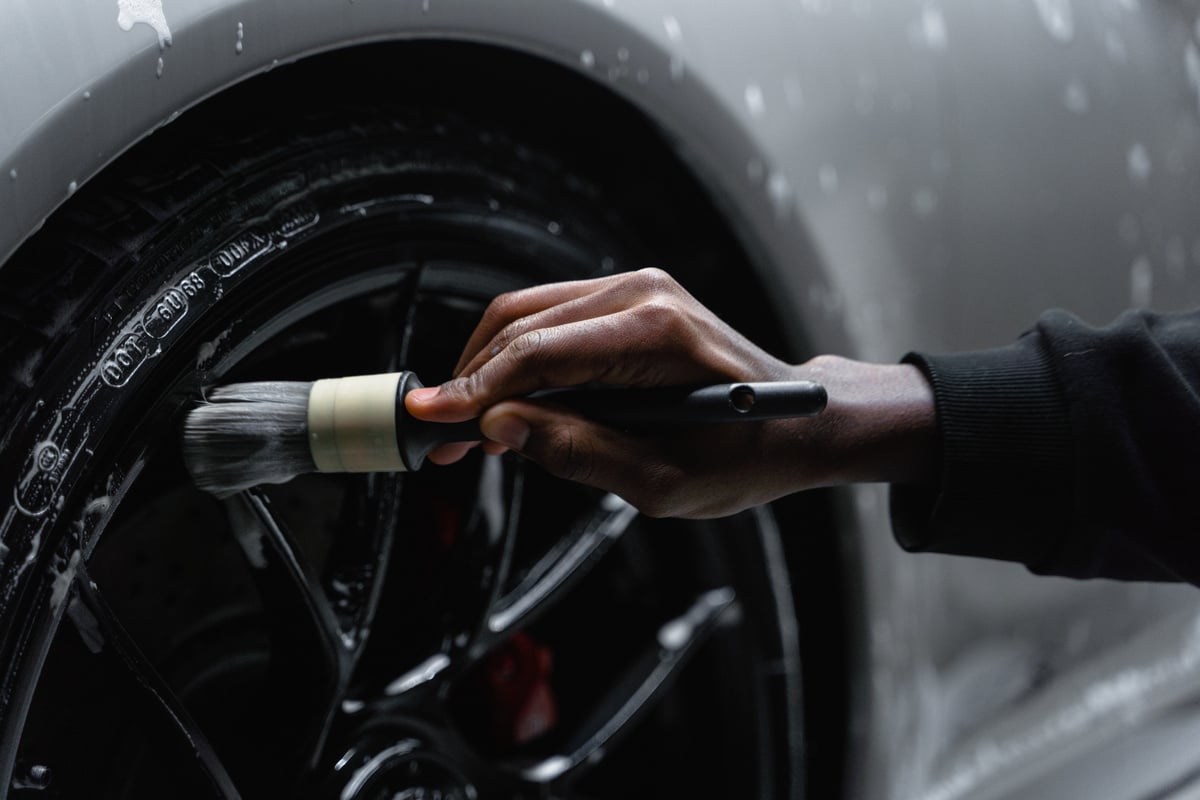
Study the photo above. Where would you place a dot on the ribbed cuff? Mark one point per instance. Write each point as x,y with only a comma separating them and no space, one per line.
1005,484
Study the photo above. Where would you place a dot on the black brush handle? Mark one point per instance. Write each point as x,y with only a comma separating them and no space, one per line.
631,408
692,405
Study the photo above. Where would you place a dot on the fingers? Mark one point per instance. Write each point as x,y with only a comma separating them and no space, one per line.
635,346
449,453
508,308
601,302
572,447
510,315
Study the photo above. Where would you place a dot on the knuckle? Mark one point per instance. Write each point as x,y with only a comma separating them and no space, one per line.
659,317
465,388
527,344
494,315
506,336
500,308
657,281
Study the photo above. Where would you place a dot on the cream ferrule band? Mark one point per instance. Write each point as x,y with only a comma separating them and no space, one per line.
352,424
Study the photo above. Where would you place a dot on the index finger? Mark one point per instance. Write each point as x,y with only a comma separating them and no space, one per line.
511,306
615,349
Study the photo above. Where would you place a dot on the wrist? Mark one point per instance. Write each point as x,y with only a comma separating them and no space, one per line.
880,424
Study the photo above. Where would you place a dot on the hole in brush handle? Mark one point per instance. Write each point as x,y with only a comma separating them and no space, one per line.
692,405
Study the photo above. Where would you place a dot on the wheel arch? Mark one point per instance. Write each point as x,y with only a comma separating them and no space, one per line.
119,74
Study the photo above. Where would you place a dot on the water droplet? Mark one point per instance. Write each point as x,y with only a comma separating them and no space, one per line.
1138,162
877,197
622,54
12,174
158,70
72,187
1191,64
241,34
493,204
87,95
924,202
643,75
1057,18
609,3
37,776
1075,98
780,192
671,26
554,227
587,58
1141,283
754,99
931,29
827,176
424,6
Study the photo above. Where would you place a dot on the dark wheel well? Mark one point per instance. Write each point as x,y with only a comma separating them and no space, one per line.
584,122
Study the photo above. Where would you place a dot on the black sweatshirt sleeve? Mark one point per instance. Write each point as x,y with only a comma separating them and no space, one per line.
1075,451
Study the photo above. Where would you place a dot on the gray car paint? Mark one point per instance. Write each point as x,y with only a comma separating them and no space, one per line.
909,174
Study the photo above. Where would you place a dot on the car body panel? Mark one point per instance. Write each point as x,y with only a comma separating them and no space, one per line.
907,174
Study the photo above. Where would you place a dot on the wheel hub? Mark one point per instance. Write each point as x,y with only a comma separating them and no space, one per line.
407,769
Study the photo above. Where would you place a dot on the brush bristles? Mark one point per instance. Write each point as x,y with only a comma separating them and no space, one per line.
248,434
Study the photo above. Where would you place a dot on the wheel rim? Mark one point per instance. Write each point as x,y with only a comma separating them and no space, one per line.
482,567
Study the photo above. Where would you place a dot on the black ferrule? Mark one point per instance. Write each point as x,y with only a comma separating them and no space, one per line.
416,437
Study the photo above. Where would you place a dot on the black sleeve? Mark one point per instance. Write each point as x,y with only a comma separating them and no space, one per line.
1075,451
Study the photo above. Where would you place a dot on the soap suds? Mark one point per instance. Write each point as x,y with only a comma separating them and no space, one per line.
146,12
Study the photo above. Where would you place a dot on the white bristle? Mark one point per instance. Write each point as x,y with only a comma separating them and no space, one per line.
248,434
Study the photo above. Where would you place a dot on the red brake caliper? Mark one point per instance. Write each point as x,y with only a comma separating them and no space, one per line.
517,680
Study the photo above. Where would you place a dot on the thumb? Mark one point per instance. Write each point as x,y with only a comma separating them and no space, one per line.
567,445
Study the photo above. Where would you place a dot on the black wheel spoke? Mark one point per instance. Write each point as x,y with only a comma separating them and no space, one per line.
159,703
310,657
498,512
567,562
356,565
635,692
288,584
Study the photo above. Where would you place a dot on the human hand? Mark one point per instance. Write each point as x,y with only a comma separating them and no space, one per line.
642,329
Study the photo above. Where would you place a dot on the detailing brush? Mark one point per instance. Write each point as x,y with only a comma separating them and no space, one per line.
247,434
